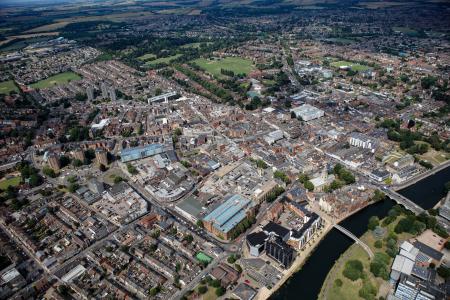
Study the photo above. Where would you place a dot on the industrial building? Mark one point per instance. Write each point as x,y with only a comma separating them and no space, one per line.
227,216
307,112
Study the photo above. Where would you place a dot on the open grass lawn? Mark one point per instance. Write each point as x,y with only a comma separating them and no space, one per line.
405,30
58,79
161,60
13,181
195,45
6,87
236,64
147,56
354,66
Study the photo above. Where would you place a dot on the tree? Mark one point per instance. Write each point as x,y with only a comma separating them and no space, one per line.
199,223
379,265
443,271
338,282
238,268
131,169
353,269
220,291
102,167
378,244
374,221
117,179
202,289
309,186
49,172
77,163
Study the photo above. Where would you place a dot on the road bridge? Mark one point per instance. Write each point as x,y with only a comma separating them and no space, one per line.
353,237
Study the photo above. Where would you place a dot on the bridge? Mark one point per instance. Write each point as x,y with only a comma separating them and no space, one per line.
353,237
402,200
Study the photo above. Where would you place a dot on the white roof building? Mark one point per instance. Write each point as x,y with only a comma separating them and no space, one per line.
307,112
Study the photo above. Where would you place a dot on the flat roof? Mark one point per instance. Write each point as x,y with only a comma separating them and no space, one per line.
230,213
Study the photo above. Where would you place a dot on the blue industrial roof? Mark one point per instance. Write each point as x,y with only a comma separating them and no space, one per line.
230,213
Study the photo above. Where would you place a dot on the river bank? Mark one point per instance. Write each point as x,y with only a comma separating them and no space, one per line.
309,280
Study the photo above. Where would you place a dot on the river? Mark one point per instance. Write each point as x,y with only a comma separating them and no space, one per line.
307,282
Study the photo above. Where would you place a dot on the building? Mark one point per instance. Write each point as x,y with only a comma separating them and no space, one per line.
226,274
223,220
273,228
190,208
273,136
53,161
104,88
244,292
112,93
78,154
410,288
360,140
277,249
307,112
379,175
90,93
256,242
101,157
444,210
135,153
163,98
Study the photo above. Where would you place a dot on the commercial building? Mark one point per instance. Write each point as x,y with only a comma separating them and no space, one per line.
135,153
379,175
223,220
90,93
162,98
307,112
78,154
273,136
360,140
444,210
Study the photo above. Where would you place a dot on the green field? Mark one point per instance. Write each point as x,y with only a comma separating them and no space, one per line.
353,66
195,45
203,257
162,60
405,30
236,64
13,181
147,56
57,79
6,87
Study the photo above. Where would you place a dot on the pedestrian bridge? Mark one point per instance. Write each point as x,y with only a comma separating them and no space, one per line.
353,237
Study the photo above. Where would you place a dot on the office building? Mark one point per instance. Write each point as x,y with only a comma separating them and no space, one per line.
256,242
112,93
277,249
104,88
223,220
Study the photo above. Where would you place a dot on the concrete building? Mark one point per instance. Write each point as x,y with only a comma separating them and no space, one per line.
307,112
112,93
90,93
273,136
53,161
256,242
104,88
277,249
78,154
410,288
223,220
360,140
101,157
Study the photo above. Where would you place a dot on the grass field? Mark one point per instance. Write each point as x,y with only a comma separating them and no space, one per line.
236,64
161,60
195,45
405,30
354,66
7,87
147,56
57,79
13,181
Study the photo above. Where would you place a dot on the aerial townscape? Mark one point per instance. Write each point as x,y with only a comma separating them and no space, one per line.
228,149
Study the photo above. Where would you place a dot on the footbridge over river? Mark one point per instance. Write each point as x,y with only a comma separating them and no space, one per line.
353,237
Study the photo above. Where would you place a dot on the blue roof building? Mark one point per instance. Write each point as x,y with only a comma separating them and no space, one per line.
130,154
228,215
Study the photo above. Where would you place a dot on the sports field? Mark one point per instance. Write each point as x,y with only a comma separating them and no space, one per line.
236,64
161,60
353,66
203,257
57,79
6,87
